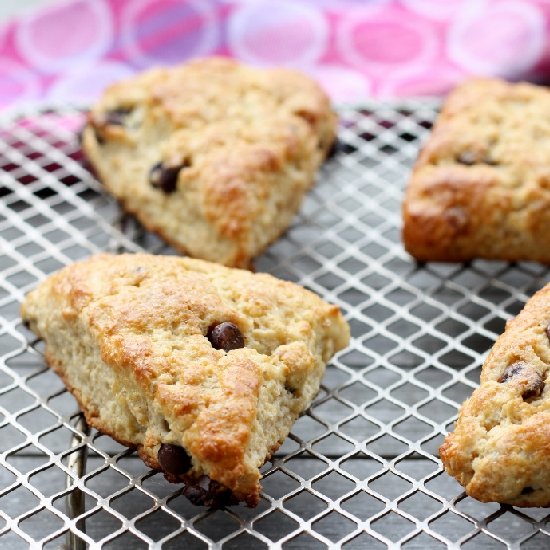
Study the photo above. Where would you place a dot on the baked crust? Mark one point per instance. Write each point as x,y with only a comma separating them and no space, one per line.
500,448
481,185
128,336
249,141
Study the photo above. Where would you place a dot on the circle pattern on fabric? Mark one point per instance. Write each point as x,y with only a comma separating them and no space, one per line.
281,33
440,10
84,25
386,41
354,48
170,31
509,46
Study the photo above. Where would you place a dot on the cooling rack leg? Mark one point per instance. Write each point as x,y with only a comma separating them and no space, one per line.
75,498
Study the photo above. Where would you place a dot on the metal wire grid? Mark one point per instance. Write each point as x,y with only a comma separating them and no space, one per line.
360,468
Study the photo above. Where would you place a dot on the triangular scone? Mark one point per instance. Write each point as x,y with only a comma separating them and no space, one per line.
500,449
141,342
481,186
212,155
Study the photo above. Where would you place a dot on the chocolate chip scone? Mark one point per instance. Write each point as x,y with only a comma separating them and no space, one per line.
500,449
212,155
201,367
481,185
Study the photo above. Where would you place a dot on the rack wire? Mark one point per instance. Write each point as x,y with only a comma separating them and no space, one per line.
360,468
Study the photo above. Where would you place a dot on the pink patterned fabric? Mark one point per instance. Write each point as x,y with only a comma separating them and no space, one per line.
356,48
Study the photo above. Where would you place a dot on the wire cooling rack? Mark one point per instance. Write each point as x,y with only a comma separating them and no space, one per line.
360,469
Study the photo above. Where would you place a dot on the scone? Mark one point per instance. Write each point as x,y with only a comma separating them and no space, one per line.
212,155
481,185
500,449
202,368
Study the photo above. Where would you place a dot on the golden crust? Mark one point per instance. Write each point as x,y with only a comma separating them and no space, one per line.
500,448
481,185
128,336
250,140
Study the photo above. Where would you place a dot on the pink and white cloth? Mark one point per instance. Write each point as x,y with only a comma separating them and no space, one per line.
72,49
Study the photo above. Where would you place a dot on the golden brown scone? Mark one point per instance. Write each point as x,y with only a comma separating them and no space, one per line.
201,367
500,449
481,185
212,155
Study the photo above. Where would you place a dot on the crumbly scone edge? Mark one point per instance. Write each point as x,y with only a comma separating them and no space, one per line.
263,410
481,185
500,448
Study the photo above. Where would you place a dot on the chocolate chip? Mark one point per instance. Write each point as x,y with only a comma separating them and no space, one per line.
207,492
548,331
291,390
309,116
511,371
226,336
533,389
173,459
26,324
117,117
527,491
98,137
164,177
530,378
197,493
467,157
